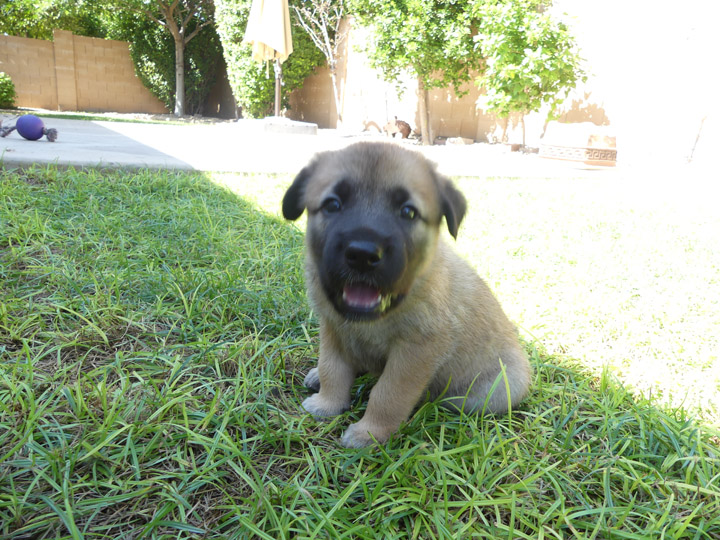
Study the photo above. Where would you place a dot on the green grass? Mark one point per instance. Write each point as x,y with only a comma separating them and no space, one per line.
153,338
10,114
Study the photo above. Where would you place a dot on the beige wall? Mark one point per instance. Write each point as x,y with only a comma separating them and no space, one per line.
31,66
652,84
75,73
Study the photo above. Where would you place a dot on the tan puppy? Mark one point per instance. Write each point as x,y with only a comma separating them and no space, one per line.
393,298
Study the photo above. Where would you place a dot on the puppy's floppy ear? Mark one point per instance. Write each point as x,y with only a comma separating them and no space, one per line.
454,205
293,203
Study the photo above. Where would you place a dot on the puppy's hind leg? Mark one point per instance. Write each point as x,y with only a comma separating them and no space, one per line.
489,391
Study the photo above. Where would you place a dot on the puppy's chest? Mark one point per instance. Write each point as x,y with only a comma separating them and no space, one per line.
368,347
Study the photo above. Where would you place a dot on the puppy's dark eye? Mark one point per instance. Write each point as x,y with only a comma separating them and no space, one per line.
409,212
331,205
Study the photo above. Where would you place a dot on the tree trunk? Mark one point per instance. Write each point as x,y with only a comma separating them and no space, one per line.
503,137
179,77
336,95
423,100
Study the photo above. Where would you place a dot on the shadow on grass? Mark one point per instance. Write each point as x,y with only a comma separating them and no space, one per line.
152,327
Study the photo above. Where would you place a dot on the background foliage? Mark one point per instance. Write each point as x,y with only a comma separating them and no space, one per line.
7,91
525,56
38,18
252,83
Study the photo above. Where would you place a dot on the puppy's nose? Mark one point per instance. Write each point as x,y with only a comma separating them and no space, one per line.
363,255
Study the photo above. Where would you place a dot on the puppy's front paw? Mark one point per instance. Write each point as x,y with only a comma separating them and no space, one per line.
320,408
312,380
358,435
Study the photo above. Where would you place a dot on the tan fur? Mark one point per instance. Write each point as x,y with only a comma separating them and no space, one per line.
448,337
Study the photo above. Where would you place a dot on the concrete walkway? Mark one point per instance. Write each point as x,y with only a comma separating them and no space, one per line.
245,146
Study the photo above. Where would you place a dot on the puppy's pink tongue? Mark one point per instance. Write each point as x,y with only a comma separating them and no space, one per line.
361,296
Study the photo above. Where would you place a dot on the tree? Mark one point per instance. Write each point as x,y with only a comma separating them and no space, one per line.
321,20
152,49
432,39
531,60
252,88
183,19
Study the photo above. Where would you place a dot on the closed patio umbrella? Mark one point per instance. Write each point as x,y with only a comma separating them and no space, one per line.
268,31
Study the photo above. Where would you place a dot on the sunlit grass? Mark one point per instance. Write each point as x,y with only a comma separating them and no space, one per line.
154,333
620,276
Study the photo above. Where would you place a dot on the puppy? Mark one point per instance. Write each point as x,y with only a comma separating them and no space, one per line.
392,297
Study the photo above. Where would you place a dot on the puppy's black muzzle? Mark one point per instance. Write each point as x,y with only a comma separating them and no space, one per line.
361,267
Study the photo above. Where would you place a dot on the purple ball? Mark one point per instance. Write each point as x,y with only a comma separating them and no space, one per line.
30,127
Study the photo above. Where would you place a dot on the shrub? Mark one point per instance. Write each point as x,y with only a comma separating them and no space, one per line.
7,91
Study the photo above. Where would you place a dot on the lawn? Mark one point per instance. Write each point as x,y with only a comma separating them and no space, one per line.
167,119
154,334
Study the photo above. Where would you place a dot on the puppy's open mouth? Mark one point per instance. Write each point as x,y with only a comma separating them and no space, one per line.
363,301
